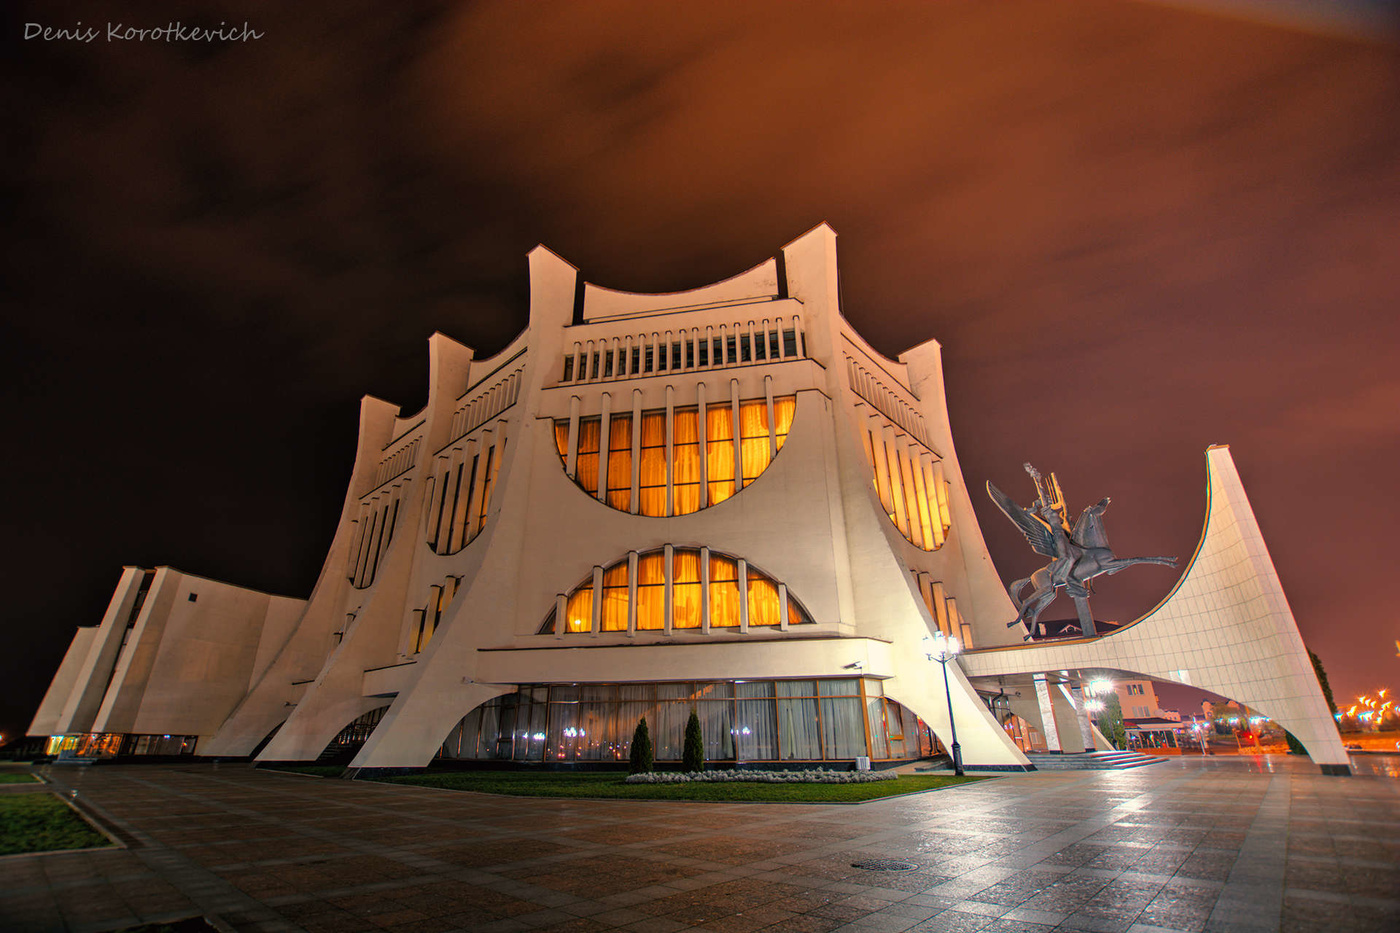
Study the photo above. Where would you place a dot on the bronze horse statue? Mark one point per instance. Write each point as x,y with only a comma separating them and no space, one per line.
1077,554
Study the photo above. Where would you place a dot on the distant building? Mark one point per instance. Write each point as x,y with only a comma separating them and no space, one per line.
722,500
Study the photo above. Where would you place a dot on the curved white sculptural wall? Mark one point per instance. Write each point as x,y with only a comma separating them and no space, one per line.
1226,628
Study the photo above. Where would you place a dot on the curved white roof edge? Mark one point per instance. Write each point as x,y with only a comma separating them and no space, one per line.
757,284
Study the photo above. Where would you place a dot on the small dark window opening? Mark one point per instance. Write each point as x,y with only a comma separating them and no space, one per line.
649,361
568,369
636,359
705,353
675,356
194,597
607,364
789,343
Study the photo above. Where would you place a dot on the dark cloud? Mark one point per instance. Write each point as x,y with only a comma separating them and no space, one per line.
1136,230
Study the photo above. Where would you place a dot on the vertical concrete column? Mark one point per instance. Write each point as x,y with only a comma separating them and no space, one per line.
470,526
772,425
926,464
597,600
701,431
571,458
882,466
670,596
1086,728
743,594
632,592
705,590
1047,715
916,465
670,478
352,561
636,450
578,354
940,486
738,456
782,607
901,515
459,477
603,442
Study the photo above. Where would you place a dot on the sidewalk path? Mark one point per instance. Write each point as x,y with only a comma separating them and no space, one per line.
1229,844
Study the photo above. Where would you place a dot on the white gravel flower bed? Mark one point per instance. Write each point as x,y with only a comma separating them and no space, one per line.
815,776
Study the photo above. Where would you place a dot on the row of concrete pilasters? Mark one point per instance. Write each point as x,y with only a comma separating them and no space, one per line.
1058,710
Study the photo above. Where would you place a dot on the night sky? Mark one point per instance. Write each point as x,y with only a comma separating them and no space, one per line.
1136,229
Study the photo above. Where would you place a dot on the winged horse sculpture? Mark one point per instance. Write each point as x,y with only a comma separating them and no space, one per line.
1077,555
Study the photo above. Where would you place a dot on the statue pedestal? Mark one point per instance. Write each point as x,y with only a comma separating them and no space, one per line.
1086,618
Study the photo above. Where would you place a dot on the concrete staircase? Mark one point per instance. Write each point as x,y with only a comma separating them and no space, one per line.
1092,761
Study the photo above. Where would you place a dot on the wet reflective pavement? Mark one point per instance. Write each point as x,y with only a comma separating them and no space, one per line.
1230,844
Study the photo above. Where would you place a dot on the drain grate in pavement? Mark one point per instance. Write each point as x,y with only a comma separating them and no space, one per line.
884,864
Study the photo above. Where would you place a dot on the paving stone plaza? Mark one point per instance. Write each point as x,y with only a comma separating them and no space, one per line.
1188,845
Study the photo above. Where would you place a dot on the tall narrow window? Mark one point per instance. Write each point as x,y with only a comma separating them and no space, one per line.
620,462
615,598
685,461
783,410
651,592
651,478
685,588
719,450
561,437
724,593
911,502
488,481
588,431
456,532
753,439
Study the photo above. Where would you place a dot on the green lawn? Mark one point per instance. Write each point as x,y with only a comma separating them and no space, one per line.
611,785
42,823
16,777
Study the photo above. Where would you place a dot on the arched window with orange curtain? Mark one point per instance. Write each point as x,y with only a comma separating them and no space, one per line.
724,592
764,608
685,588
587,463
685,461
652,472
620,463
754,452
614,614
719,452
651,592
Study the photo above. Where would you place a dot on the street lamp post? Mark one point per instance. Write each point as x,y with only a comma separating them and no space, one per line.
943,648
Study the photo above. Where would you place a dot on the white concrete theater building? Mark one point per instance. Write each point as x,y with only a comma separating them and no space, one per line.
722,500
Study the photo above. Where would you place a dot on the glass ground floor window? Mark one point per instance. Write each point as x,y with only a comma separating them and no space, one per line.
112,744
742,721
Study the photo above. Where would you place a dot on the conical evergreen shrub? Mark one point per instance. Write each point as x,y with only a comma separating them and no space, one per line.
642,754
694,759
